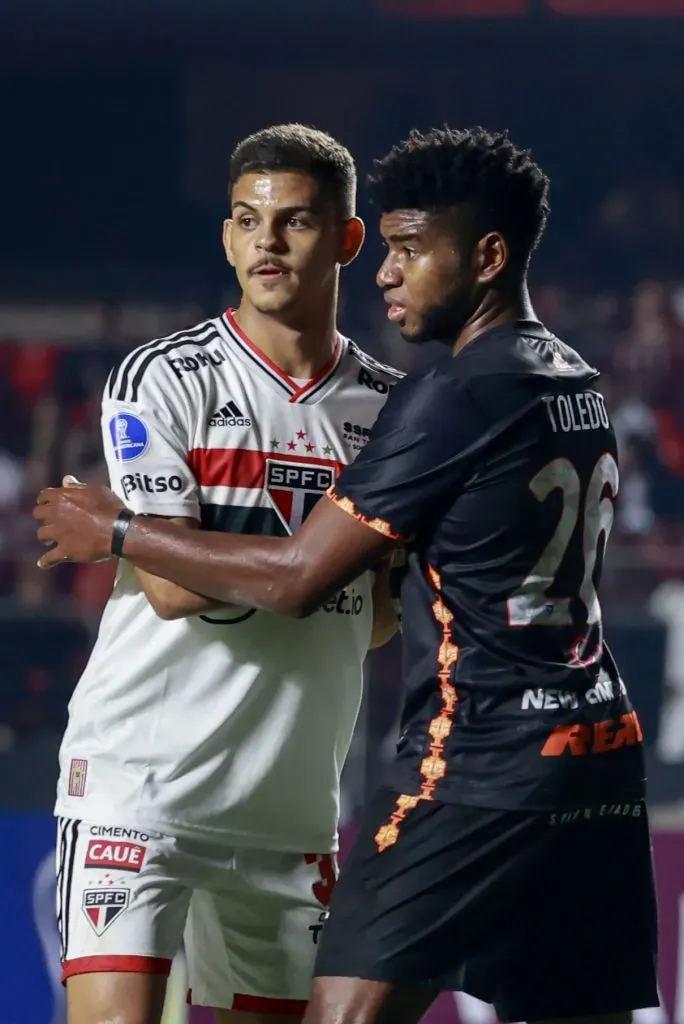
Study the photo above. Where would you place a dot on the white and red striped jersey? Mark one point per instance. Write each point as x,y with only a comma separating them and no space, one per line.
235,724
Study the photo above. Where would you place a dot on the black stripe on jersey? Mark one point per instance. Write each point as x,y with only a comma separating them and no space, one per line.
118,380
257,362
110,381
373,364
151,356
124,368
63,824
263,522
72,843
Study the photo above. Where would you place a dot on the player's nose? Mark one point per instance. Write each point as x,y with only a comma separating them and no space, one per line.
269,239
389,274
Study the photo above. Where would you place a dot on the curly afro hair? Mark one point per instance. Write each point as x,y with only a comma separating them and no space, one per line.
443,167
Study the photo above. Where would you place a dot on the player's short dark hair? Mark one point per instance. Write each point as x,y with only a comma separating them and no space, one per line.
297,147
443,167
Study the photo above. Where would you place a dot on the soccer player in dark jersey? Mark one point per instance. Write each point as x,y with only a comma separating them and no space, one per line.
507,852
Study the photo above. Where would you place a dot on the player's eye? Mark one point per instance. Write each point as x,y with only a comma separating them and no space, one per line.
296,222
247,221
410,253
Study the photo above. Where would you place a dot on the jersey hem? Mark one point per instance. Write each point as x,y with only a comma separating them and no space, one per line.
169,827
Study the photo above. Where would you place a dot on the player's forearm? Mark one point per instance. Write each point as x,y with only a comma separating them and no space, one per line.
258,572
172,602
293,575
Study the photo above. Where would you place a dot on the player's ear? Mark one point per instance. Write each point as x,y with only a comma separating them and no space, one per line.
228,241
492,255
352,240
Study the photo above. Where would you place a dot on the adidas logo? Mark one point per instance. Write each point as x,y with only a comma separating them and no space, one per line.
229,415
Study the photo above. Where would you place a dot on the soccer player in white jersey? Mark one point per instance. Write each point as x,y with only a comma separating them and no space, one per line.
199,785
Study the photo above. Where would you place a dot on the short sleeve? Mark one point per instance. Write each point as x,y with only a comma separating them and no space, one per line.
423,445
146,444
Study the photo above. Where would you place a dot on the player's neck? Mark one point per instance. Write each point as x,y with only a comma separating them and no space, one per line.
300,351
496,310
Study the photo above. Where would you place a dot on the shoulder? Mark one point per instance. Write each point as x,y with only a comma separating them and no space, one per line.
429,387
523,350
374,375
426,402
161,363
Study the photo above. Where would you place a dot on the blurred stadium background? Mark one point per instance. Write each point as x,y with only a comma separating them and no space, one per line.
117,121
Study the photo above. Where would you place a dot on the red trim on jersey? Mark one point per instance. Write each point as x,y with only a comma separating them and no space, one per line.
297,391
242,467
115,965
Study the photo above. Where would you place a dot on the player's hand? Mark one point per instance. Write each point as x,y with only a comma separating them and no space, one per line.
78,520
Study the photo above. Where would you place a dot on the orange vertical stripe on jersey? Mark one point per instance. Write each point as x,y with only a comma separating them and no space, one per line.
433,767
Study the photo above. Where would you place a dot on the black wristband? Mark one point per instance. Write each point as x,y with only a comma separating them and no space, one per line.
119,531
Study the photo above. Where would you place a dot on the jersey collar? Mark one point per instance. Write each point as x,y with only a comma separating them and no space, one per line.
259,363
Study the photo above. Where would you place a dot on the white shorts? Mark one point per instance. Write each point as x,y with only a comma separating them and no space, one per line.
250,920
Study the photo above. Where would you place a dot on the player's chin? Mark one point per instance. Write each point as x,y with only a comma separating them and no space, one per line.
413,332
275,301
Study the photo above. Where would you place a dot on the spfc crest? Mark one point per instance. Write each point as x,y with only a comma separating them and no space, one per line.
295,487
103,906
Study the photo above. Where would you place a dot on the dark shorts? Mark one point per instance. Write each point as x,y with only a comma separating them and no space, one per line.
542,916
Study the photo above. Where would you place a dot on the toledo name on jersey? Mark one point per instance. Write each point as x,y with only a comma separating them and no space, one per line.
233,724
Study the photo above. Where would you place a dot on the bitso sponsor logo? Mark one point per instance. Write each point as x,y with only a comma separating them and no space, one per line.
146,484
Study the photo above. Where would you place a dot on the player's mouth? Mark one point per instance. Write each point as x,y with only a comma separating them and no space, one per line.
396,311
270,271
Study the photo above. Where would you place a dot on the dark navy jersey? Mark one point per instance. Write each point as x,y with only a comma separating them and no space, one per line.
499,472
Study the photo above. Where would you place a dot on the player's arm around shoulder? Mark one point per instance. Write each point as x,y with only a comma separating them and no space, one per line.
148,431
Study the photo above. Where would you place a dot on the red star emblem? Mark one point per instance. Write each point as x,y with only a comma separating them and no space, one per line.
311,447
301,434
292,445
